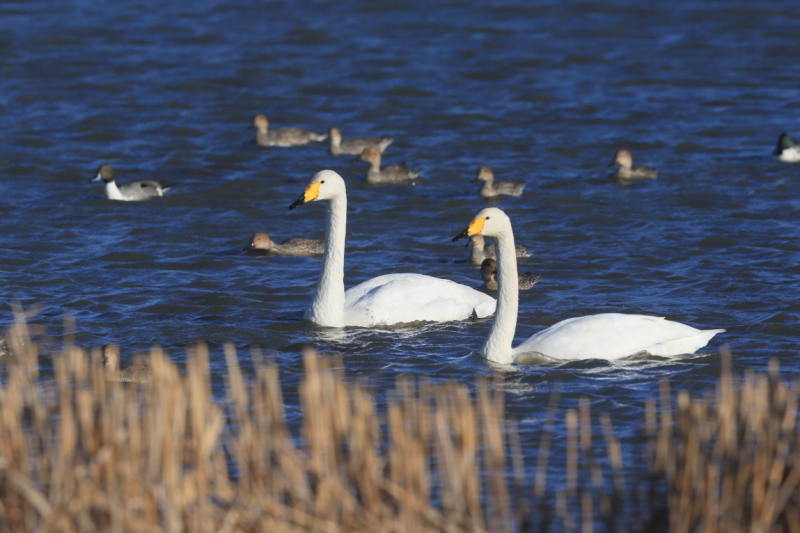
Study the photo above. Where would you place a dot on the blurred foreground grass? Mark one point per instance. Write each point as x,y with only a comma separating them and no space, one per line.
81,451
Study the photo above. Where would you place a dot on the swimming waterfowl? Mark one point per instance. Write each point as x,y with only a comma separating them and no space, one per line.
137,373
787,150
389,174
294,246
626,170
493,188
481,251
602,336
129,192
385,300
489,275
283,137
356,146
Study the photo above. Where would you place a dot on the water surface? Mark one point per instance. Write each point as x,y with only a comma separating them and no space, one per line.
545,92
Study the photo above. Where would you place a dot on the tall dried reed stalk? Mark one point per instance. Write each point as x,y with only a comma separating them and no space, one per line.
729,461
82,453
79,452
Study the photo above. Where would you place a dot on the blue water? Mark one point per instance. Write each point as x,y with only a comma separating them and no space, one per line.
545,92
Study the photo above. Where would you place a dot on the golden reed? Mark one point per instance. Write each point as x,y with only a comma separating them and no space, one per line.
80,452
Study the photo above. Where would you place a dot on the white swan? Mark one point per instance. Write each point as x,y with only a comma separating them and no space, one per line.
385,300
603,336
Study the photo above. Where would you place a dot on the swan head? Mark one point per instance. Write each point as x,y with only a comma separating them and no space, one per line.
325,185
490,222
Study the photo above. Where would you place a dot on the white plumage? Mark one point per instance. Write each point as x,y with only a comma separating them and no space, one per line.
603,336
615,335
403,298
385,300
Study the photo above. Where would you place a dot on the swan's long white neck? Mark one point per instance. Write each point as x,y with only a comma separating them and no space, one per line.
327,307
113,192
498,344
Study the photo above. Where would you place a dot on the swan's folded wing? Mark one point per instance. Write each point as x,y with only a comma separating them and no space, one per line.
406,298
615,335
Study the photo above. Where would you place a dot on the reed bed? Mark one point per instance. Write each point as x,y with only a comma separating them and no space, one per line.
729,461
82,452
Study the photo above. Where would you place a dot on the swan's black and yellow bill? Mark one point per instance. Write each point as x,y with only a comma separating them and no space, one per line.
309,195
474,228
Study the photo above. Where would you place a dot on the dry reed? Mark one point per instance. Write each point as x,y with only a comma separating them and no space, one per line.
80,452
729,461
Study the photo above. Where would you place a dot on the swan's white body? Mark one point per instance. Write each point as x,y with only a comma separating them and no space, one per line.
385,300
614,335
404,298
603,336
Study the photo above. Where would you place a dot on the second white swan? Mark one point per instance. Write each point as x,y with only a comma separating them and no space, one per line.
602,336
385,300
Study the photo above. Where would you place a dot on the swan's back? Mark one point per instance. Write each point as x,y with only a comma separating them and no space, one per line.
616,335
406,298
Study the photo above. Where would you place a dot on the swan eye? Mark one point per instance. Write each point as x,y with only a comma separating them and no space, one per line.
323,181
487,218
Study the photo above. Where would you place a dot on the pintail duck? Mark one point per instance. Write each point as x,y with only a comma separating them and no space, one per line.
283,136
295,246
493,188
489,275
482,251
129,192
388,174
627,171
356,146
138,372
787,150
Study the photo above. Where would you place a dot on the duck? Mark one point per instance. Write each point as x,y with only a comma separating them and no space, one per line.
295,246
283,137
129,192
787,150
492,188
137,373
389,174
602,336
386,300
356,146
626,171
489,275
482,251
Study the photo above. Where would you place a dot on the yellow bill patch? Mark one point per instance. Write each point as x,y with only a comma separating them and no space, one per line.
476,226
311,193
